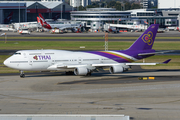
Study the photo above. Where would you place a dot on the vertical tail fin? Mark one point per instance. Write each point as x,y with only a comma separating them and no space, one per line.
42,20
8,18
146,40
38,20
56,17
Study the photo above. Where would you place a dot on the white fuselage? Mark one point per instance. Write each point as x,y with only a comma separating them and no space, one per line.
41,60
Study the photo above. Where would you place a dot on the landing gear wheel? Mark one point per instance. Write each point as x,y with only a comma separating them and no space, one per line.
22,75
88,74
69,73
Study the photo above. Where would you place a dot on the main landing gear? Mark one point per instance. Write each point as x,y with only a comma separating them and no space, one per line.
69,73
22,75
88,74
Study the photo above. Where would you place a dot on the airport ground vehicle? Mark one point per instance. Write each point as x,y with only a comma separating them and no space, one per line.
24,31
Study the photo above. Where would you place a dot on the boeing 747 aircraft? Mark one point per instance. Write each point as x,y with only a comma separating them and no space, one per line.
86,62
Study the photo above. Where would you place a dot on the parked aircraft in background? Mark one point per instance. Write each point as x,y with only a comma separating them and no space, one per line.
60,26
26,25
5,27
8,18
38,20
108,28
56,17
86,62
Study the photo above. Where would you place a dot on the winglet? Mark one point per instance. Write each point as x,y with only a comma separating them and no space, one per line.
42,20
8,18
167,61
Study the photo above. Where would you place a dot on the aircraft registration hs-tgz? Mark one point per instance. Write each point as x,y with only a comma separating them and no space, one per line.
86,62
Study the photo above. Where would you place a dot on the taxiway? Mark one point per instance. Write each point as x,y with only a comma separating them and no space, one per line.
102,93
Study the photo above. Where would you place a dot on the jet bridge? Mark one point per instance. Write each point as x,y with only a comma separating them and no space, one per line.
126,26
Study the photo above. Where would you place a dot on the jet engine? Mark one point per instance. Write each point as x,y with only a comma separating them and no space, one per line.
116,69
81,71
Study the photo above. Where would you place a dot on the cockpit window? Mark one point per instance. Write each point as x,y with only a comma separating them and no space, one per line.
17,53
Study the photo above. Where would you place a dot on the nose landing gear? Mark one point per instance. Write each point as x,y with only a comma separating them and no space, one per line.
22,75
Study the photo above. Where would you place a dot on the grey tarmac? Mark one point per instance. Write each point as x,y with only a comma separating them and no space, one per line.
101,93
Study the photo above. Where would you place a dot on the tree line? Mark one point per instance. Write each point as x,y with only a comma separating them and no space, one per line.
119,5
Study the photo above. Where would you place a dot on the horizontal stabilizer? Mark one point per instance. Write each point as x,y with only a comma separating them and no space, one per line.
167,61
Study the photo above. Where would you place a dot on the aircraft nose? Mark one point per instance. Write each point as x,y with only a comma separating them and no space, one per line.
6,62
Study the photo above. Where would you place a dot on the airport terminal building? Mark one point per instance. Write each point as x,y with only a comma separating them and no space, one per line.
164,18
93,17
96,17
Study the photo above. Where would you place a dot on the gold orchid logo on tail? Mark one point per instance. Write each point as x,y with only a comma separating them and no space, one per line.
147,38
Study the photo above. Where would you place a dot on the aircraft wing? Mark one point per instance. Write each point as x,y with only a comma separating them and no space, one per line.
106,65
165,62
93,66
69,66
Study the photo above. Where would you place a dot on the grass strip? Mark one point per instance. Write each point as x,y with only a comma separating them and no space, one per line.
76,38
89,45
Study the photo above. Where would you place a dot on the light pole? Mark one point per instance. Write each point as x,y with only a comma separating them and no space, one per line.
61,10
36,8
106,5
72,3
99,17
19,15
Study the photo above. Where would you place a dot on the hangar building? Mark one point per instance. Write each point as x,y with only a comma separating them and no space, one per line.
29,10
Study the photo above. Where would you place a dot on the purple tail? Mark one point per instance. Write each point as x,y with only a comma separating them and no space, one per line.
146,40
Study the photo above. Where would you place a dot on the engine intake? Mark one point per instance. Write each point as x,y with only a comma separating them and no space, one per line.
116,69
81,71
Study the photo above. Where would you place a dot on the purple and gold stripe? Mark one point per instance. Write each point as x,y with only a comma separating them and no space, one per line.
114,56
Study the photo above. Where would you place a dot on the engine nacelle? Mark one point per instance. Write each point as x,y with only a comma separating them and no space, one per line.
81,71
116,69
